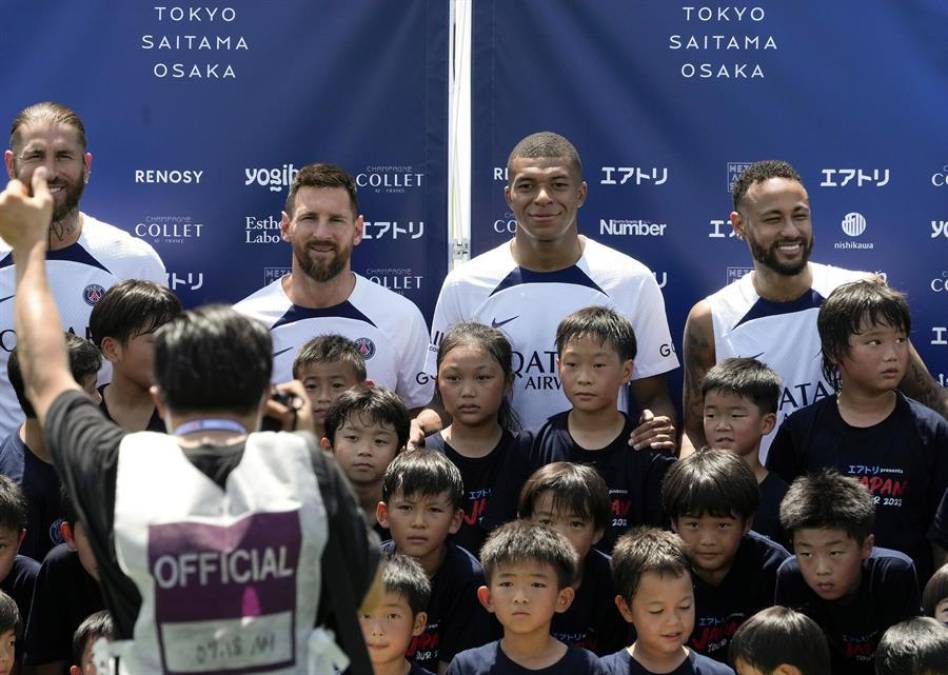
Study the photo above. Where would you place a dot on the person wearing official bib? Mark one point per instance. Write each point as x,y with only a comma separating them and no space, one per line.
218,550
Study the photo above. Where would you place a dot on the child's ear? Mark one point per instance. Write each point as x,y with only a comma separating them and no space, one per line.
787,669
564,599
867,545
627,371
597,537
74,670
623,608
381,514
110,348
19,539
65,529
483,596
767,423
159,404
325,444
421,622
456,521
748,524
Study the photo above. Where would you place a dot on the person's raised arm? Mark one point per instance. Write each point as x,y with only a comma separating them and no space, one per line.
41,347
699,357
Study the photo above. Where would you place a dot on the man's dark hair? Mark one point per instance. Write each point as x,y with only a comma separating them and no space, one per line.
758,172
778,635
9,615
84,360
322,175
916,646
495,343
93,627
404,576
425,473
330,349
47,112
519,541
576,488
213,359
847,308
600,324
545,145
13,506
747,378
935,591
710,482
827,500
130,308
646,550
374,404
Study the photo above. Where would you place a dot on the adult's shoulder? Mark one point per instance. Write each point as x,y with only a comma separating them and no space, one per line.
121,250
828,277
264,301
605,262
927,420
381,303
484,270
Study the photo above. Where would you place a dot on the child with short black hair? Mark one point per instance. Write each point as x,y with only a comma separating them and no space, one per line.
740,408
935,596
711,498
917,646
93,627
328,365
573,499
851,589
17,571
422,492
654,593
9,630
25,458
123,323
595,347
896,447
398,617
365,430
779,641
530,570
475,372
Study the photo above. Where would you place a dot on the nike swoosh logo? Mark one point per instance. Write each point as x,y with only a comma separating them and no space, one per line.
7,298
282,351
497,324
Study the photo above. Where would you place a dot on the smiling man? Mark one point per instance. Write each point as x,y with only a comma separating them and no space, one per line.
770,313
85,256
526,286
322,294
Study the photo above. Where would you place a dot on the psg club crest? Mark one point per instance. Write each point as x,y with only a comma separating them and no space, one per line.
366,347
92,294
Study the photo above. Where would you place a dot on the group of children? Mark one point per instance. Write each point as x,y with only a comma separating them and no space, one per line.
563,549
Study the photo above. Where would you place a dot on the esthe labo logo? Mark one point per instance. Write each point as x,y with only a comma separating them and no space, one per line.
275,179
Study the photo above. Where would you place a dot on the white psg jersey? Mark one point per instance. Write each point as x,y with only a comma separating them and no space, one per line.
387,328
229,578
781,334
528,306
79,275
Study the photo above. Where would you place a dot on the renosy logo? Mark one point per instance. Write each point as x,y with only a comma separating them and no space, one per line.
275,179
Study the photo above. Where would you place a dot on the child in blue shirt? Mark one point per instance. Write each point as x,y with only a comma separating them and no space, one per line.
779,641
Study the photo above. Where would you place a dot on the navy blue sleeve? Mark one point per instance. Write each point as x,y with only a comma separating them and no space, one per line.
938,532
896,585
783,456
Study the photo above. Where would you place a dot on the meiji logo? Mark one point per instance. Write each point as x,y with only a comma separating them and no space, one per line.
92,294
366,347
735,273
734,171
275,179
271,274
940,335
168,229
854,224
939,229
170,176
190,281
637,228
718,230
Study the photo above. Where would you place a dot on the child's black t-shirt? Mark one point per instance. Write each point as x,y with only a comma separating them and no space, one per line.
887,594
19,583
491,487
622,663
634,477
938,533
456,619
592,621
767,519
747,588
903,461
491,660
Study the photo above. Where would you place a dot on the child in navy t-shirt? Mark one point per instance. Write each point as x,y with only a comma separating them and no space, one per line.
530,570
853,590
711,497
780,641
573,499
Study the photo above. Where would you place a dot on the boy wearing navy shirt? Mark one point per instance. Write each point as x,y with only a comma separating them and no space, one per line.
655,594
573,499
740,408
780,641
328,366
851,589
17,572
595,348
893,445
421,506
530,570
25,458
711,497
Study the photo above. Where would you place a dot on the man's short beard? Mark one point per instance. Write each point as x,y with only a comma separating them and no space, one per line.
768,258
321,272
